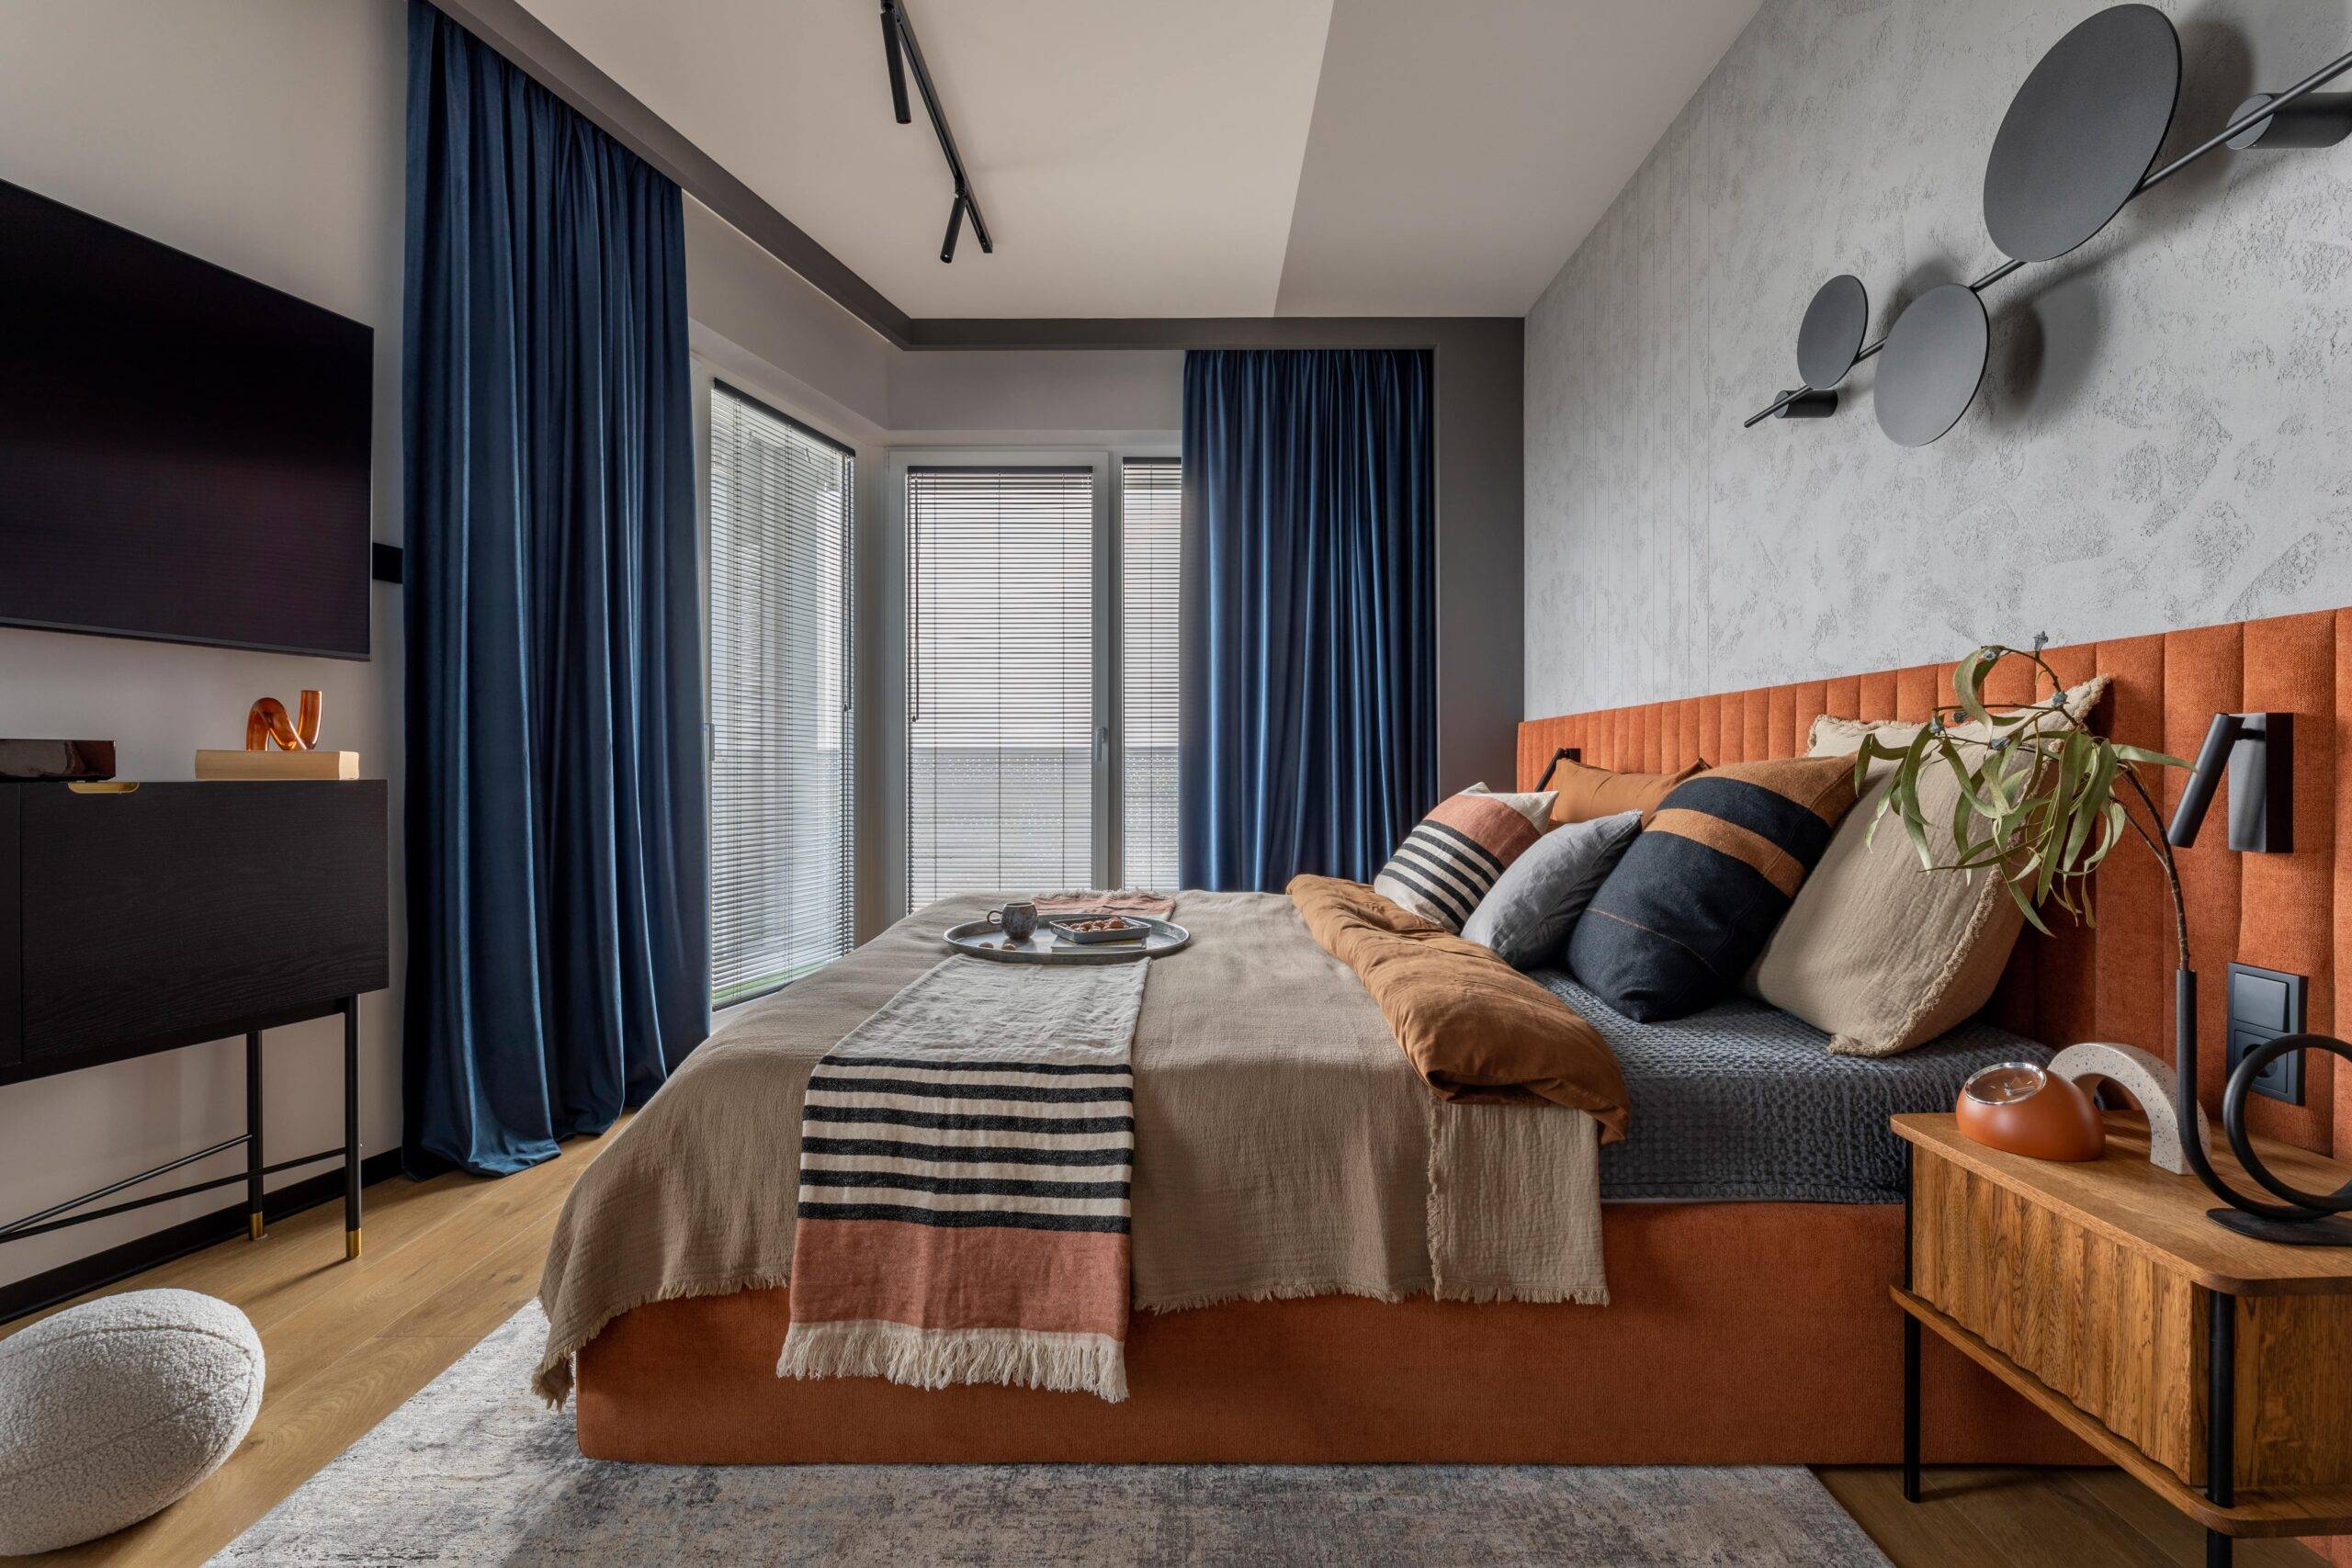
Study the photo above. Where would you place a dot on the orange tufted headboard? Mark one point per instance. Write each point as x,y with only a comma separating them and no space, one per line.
2111,981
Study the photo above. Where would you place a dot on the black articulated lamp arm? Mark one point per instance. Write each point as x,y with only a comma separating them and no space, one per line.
2203,778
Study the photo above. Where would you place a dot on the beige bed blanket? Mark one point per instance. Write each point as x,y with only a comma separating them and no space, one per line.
1285,1145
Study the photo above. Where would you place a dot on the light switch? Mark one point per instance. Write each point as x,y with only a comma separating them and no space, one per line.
2263,1005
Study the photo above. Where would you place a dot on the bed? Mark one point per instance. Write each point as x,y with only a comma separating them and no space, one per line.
1751,1226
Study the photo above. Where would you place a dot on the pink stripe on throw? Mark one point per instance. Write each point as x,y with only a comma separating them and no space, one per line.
978,1276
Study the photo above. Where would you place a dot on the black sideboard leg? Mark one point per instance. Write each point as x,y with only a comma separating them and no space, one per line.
254,1224
350,1127
2221,1416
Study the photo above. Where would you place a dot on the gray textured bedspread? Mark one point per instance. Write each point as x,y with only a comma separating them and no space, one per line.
1744,1101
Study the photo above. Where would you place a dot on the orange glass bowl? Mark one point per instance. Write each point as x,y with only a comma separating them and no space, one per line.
2020,1108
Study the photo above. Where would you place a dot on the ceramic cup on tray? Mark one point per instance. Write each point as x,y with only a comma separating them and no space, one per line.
1019,921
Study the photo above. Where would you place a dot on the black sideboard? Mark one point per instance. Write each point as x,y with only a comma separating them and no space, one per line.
139,919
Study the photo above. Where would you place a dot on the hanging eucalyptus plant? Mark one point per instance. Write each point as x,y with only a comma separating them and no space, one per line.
2038,803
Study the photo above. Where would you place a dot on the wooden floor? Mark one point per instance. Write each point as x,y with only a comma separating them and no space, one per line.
448,1261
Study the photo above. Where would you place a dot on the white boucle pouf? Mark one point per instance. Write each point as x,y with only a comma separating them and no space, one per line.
117,1407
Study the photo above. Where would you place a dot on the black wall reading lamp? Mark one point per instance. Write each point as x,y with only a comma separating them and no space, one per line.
2257,750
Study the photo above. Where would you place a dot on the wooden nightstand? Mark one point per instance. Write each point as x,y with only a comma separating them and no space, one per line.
2208,1365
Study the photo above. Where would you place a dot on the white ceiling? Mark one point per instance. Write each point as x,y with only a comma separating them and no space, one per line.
1142,158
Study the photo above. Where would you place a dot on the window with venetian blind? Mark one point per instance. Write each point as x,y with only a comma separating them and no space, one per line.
1001,678
782,830
1150,518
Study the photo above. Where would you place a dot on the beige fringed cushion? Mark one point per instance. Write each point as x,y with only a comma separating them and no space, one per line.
1877,952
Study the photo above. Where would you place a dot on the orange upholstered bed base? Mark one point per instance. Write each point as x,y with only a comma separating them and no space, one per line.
1735,1334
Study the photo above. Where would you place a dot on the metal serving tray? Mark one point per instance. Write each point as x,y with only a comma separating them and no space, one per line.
983,941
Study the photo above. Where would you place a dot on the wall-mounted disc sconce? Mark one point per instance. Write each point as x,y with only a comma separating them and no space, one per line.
2322,119
1831,335
1931,365
2079,142
2083,132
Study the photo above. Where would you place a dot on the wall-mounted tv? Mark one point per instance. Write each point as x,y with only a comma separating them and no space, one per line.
183,451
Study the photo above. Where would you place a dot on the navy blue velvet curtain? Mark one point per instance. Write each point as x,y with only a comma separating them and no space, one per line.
1308,730
557,869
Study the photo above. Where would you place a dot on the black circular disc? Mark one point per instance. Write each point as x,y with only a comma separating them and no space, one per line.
1832,333
1933,359
2082,133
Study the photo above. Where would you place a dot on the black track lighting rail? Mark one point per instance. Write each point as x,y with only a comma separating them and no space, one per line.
902,52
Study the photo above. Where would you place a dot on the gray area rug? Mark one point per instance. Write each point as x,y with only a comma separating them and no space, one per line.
475,1469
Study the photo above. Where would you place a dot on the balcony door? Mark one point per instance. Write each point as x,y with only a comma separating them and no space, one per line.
1040,675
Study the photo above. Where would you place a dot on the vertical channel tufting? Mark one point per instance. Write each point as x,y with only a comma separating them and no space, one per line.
1781,723
1914,693
2133,970
2204,674
1756,744
1709,743
2065,998
1874,696
2287,902
1841,696
2340,723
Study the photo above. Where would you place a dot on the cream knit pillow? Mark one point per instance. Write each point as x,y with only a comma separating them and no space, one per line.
1876,950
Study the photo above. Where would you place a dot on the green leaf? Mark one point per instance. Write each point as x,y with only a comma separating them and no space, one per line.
2141,754
1968,680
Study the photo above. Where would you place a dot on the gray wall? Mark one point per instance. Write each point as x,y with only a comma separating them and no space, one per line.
2162,436
265,135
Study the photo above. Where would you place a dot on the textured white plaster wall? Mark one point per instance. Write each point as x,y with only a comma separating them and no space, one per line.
2164,438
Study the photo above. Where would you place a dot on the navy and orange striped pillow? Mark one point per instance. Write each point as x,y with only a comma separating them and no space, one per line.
1698,893
1449,862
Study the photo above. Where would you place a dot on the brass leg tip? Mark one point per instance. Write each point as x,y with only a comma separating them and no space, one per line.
253,1222
350,1245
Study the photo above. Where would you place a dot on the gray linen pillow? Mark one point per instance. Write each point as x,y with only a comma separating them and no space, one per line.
1527,915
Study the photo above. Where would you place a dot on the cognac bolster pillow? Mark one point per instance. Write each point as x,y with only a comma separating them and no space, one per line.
1691,905
1583,794
1446,866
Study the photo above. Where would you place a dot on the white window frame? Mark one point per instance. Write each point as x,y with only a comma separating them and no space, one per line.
1103,463
750,380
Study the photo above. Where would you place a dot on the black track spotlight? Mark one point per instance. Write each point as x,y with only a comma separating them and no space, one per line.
895,55
955,227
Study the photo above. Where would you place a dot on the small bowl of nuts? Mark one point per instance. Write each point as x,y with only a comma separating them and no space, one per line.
1091,929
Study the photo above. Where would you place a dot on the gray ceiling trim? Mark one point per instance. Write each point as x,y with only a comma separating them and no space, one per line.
533,46
1200,332
536,49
